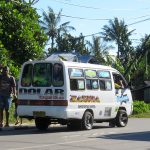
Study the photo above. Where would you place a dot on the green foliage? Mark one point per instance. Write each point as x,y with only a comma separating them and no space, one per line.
117,31
99,49
21,39
140,67
11,114
20,32
12,119
68,43
52,27
6,61
12,111
140,107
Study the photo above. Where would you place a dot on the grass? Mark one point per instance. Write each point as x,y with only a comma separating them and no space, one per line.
141,109
141,115
12,119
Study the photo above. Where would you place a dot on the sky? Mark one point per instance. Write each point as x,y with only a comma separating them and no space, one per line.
89,16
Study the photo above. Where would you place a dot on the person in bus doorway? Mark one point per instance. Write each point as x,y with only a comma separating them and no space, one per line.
7,89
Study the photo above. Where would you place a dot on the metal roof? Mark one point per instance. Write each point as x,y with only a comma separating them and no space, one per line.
73,57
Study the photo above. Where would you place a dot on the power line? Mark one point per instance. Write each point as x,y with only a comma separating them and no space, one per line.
98,8
95,19
98,19
101,19
138,21
83,18
128,25
82,6
105,19
138,17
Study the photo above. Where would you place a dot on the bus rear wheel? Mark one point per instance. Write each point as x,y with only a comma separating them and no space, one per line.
41,123
87,121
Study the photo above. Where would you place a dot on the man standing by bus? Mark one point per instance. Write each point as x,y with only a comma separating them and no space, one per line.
7,88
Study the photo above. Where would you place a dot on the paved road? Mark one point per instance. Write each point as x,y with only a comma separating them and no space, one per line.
135,136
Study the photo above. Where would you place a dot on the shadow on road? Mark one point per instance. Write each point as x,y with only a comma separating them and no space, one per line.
135,136
33,130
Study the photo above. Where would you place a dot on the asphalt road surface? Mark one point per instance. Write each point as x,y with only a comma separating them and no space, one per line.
135,136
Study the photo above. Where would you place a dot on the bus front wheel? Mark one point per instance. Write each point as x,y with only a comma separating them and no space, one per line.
121,118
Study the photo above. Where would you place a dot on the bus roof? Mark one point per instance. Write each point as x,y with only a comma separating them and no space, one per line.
87,65
75,64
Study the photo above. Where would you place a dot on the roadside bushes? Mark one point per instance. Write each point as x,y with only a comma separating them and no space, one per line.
140,107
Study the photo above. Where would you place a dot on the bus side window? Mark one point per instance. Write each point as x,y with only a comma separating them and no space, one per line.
77,84
104,80
76,79
73,84
91,79
102,84
88,84
92,84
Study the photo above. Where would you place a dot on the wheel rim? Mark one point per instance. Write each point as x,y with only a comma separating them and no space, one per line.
89,121
123,119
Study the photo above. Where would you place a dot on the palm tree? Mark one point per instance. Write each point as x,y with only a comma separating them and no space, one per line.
142,53
99,49
117,31
51,26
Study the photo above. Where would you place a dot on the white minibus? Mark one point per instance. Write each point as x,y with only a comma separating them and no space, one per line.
73,94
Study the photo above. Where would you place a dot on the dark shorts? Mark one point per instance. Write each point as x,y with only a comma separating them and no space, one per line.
5,102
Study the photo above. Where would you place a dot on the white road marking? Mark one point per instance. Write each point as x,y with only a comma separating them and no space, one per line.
70,136
87,135
112,133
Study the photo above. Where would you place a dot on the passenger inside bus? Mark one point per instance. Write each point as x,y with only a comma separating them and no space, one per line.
118,83
58,75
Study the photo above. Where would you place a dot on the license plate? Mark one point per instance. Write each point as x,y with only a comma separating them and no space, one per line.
38,113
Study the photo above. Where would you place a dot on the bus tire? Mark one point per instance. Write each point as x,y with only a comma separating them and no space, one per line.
121,118
41,123
87,121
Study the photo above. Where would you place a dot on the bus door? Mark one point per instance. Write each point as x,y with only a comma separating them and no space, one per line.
107,95
122,92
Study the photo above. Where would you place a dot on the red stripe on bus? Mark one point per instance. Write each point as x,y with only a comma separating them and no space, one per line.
43,102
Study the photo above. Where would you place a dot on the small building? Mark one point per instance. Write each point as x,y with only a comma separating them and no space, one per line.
147,92
72,56
138,94
142,93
